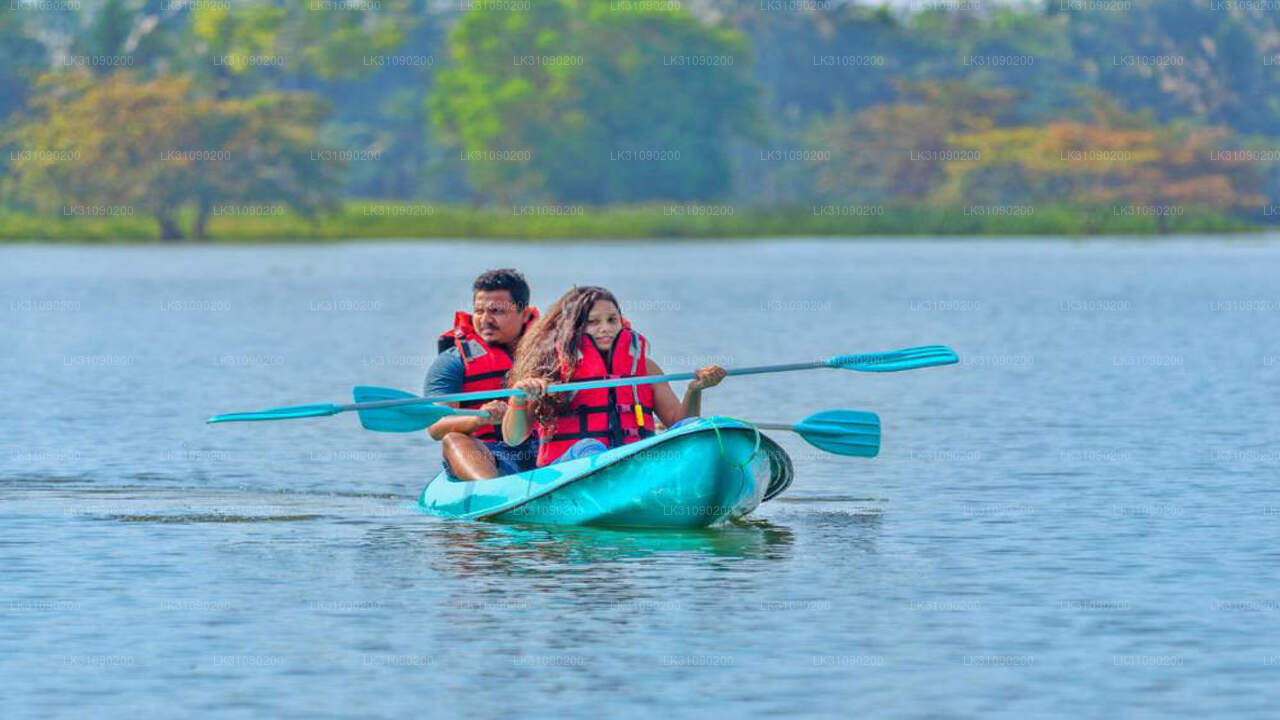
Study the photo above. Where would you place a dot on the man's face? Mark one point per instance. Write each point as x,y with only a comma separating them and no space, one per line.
496,318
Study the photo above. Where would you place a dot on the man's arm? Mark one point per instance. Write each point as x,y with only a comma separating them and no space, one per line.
465,424
444,378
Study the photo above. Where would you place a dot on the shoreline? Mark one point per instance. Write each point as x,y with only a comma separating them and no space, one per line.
370,220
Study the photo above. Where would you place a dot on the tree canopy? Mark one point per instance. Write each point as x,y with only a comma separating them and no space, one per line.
579,102
153,147
610,101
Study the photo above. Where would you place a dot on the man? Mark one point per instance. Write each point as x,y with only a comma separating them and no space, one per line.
475,354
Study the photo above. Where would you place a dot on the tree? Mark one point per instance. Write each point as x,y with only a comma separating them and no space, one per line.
270,144
1191,58
580,101
257,45
21,56
899,151
156,147
1133,161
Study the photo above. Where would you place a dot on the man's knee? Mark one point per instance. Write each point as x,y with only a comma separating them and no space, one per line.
456,442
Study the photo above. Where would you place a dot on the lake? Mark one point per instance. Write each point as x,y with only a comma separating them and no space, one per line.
1079,520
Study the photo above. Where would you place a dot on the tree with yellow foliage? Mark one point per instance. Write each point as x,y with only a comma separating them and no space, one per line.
155,147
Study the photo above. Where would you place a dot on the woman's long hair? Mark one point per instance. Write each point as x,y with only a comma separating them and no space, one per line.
549,348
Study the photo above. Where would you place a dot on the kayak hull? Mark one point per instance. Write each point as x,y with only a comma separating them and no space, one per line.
703,473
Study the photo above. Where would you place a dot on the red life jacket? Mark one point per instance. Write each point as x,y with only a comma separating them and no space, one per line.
484,367
615,416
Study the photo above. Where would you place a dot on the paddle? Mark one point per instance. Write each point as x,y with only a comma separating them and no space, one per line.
843,432
893,361
406,418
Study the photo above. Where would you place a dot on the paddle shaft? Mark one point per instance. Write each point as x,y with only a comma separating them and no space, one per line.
573,387
792,427
892,361
455,412
776,426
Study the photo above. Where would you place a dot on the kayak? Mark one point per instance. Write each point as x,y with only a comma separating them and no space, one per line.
702,473
705,472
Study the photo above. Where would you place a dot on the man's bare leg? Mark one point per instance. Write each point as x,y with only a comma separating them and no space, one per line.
468,457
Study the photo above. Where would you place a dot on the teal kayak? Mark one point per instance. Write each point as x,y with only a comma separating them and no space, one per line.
703,473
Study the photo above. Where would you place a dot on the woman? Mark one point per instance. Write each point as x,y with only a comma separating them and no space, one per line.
584,337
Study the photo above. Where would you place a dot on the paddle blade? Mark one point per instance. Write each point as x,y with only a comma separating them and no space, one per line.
909,359
400,418
843,432
280,413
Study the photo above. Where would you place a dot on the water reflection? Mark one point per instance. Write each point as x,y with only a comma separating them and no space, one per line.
471,547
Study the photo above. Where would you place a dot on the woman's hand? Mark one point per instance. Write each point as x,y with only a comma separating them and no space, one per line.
709,376
516,424
534,388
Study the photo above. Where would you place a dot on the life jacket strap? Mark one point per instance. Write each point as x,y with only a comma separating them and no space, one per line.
487,375
578,435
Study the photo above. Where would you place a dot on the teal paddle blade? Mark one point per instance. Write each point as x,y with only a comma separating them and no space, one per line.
398,418
280,413
910,359
843,432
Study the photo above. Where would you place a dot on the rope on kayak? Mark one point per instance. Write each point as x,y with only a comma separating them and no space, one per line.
723,452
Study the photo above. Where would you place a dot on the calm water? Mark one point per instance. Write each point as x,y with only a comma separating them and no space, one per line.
1079,521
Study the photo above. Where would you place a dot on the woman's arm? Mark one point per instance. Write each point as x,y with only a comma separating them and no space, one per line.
515,424
670,410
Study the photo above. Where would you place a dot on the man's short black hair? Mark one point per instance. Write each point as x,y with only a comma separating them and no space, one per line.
505,279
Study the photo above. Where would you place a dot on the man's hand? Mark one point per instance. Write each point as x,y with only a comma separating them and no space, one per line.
496,409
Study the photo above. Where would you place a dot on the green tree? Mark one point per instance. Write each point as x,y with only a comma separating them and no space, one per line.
1190,58
143,37
108,31
270,144
1009,48
610,104
238,48
21,58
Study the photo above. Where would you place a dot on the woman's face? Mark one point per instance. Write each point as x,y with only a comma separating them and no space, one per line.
604,322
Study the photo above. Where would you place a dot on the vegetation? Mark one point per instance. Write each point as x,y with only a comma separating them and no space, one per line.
399,220
153,147
945,149
581,103
136,119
